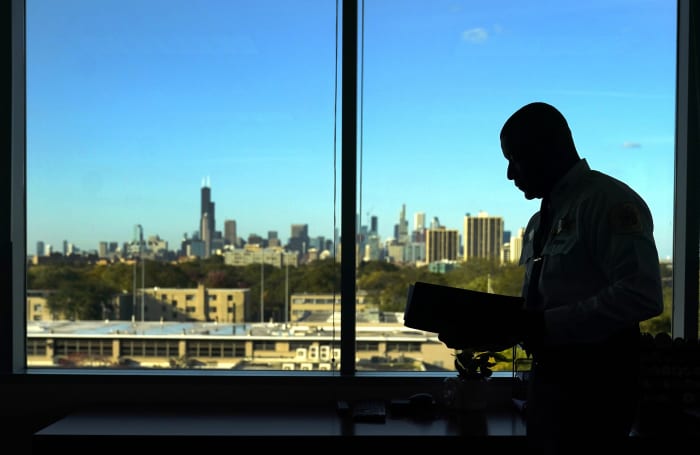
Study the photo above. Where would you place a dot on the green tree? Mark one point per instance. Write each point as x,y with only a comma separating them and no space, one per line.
320,276
51,276
84,298
118,276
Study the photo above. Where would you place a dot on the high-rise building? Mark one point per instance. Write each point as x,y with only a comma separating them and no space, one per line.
418,234
208,225
419,221
513,248
483,236
299,240
230,234
441,244
40,248
206,234
402,231
256,239
102,249
273,239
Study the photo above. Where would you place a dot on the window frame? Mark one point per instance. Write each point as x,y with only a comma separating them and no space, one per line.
257,386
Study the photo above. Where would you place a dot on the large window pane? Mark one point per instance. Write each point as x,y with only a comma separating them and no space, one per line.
181,203
438,81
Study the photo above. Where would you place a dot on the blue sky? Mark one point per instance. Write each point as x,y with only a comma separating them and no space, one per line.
132,103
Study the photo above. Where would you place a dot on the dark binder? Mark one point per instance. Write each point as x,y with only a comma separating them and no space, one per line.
434,307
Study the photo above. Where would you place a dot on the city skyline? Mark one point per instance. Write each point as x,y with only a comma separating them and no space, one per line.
126,112
175,246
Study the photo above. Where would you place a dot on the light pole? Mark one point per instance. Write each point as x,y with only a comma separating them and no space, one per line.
143,290
154,302
262,285
286,289
133,295
138,237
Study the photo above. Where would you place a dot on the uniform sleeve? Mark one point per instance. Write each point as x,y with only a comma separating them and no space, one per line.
617,231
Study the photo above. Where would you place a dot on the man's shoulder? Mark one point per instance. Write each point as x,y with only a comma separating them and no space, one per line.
597,181
611,196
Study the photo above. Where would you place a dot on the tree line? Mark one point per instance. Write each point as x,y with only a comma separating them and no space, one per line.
85,291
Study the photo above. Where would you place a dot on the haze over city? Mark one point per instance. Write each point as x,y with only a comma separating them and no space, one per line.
131,104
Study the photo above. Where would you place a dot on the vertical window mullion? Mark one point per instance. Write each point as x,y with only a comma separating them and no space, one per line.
349,186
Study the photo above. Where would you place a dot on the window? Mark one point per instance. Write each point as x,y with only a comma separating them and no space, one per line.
402,133
436,84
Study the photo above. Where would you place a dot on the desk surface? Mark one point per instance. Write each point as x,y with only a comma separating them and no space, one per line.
274,422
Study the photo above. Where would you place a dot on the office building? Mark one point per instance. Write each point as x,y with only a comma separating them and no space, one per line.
402,228
207,218
230,233
483,236
441,244
299,240
418,227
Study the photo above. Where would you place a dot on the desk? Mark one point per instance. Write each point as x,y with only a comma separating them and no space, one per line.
274,428
181,430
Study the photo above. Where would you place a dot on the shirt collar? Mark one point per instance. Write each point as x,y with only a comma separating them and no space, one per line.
565,185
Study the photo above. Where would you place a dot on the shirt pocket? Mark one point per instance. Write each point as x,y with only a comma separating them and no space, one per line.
560,244
563,237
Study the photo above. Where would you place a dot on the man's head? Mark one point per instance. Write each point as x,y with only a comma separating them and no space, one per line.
537,142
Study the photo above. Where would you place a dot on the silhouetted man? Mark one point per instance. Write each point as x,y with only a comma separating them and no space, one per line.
592,274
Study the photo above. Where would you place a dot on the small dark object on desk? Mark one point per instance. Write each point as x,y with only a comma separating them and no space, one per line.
343,407
417,406
369,411
421,401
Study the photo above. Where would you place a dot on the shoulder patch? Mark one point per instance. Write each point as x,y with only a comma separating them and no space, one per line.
625,219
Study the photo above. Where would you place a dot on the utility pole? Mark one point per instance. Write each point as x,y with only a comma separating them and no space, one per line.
262,284
138,237
286,289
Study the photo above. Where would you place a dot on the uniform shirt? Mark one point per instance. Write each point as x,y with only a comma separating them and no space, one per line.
600,266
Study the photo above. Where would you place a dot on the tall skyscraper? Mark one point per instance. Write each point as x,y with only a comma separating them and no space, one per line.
208,225
419,221
483,236
102,249
419,227
402,234
374,225
206,234
513,248
299,240
230,234
441,244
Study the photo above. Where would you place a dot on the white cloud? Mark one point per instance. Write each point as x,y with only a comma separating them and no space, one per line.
475,35
631,145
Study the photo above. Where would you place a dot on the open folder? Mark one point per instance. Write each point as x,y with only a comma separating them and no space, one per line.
434,307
